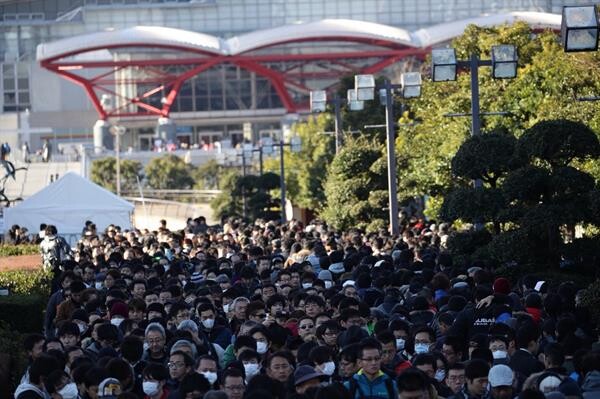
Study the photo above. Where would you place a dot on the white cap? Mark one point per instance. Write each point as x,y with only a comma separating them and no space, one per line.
500,376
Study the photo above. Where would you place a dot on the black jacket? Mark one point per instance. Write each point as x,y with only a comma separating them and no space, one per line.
524,364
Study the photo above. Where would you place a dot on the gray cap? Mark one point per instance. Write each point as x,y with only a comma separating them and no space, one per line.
306,373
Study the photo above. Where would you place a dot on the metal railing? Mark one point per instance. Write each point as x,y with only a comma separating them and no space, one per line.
191,196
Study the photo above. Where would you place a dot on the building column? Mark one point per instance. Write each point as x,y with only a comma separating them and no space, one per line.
167,130
102,137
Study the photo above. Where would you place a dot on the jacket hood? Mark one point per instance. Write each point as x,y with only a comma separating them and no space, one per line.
29,387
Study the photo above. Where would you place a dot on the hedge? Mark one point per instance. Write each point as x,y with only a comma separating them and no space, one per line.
35,282
18,250
14,359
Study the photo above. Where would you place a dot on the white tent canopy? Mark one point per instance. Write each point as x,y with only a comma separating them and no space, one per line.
68,203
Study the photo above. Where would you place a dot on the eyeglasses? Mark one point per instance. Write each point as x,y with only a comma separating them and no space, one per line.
456,378
175,365
155,341
307,326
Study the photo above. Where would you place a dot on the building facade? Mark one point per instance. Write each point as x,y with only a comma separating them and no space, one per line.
213,106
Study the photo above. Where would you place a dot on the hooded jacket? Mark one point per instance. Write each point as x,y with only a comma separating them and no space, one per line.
30,391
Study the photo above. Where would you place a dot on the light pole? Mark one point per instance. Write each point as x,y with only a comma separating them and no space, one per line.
318,103
504,66
364,86
118,131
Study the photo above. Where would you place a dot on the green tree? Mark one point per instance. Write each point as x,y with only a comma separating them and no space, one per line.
354,185
547,82
208,175
169,172
540,202
104,173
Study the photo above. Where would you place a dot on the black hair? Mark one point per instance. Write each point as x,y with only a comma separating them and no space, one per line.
477,368
412,380
42,367
31,339
368,343
193,382
156,371
320,355
132,348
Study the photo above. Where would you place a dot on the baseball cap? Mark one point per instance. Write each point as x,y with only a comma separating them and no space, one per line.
305,373
500,376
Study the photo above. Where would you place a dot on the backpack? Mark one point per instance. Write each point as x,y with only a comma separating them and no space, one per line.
354,387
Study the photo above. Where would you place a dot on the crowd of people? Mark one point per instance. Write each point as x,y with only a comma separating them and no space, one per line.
265,311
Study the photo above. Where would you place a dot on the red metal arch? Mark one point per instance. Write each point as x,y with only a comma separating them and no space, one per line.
282,81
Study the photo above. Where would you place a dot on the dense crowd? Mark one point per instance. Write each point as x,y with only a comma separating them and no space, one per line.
266,311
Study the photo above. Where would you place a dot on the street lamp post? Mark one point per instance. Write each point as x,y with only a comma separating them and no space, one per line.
504,66
318,103
365,90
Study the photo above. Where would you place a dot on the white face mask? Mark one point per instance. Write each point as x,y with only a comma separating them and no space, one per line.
328,368
98,285
499,354
226,308
440,375
261,347
421,348
251,370
116,321
146,346
211,376
306,285
328,284
208,323
69,391
400,344
150,387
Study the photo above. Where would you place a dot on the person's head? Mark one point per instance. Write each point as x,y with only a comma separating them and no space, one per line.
186,347
424,338
232,382
156,338
34,345
348,365
369,358
554,355
476,375
453,349
262,338
313,305
41,368
155,378
132,348
194,386
413,384
180,365
279,366
92,380
499,347
207,366
306,327
322,357
240,305
328,332
501,378
527,337
456,377
68,333
306,377
251,361
426,363
137,309
388,346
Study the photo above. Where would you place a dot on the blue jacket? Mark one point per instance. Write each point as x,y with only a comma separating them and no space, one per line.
377,388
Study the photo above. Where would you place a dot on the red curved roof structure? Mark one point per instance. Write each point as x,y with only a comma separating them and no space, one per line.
137,65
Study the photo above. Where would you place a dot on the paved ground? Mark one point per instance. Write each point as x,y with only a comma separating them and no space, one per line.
25,262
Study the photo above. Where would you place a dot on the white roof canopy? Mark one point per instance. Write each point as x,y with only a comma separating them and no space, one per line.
336,29
68,203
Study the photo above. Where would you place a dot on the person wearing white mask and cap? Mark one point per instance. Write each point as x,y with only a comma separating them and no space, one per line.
215,332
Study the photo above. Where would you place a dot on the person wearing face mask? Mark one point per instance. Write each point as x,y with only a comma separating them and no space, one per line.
327,278
39,371
321,358
263,342
423,338
119,311
59,383
250,360
154,384
207,366
215,332
499,347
